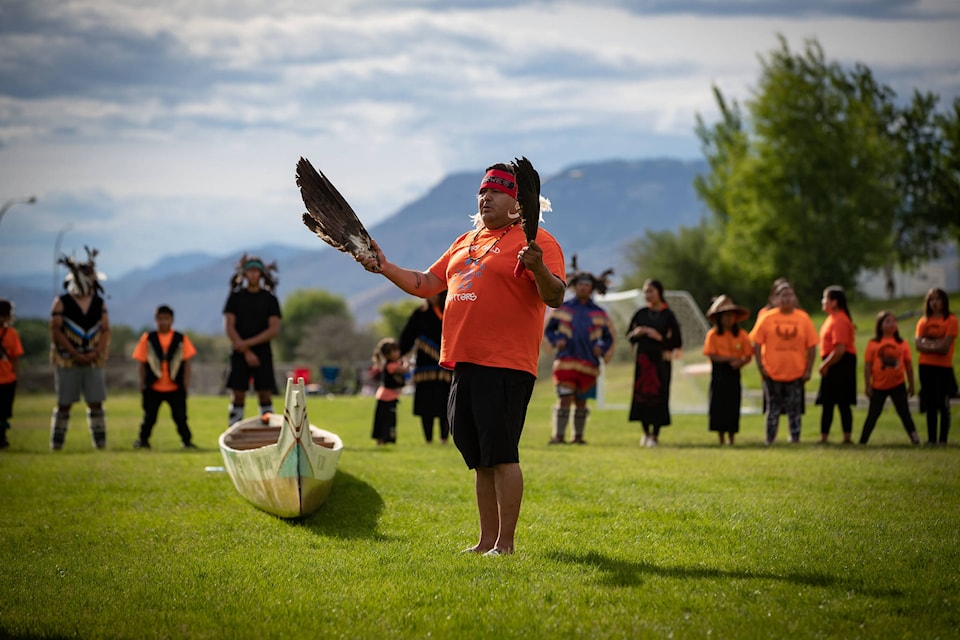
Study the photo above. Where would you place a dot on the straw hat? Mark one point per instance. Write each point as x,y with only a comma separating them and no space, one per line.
723,303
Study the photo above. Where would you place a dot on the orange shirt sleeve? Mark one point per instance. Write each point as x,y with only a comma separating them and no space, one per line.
140,351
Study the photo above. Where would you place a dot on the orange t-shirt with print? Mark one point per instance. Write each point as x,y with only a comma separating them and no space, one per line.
164,383
887,360
937,328
492,318
727,345
837,329
784,340
14,349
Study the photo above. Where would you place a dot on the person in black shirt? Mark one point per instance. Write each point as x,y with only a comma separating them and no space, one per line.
251,318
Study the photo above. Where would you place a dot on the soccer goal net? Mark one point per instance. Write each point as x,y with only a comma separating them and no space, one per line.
691,370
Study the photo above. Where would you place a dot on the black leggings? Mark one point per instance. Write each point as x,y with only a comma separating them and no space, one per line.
899,396
826,418
937,384
427,422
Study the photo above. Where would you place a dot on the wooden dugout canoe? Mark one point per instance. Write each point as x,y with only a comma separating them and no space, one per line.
283,465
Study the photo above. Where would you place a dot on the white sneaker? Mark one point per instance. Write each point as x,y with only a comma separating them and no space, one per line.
651,441
644,440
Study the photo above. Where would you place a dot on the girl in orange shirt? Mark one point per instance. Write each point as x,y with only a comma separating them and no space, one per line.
729,349
936,335
838,369
393,370
886,360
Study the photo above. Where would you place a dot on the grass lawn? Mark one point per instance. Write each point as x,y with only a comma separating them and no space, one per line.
688,540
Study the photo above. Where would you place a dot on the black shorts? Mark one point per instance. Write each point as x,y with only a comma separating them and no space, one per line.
241,373
486,410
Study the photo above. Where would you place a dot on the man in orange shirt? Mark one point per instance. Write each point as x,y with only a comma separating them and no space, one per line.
164,356
492,330
784,342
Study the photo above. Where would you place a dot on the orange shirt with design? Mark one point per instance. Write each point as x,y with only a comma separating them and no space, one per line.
492,318
937,328
837,329
887,360
164,383
14,349
785,339
727,345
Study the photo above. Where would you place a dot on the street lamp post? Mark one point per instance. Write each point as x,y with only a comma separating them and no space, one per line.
13,201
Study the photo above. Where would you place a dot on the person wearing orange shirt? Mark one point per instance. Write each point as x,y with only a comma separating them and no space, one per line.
393,370
492,329
784,342
729,350
886,360
164,356
936,336
11,349
838,367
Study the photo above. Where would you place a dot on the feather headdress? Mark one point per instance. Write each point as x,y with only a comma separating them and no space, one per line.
268,281
330,216
600,283
82,278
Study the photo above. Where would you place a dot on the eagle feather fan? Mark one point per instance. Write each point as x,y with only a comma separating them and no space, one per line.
330,216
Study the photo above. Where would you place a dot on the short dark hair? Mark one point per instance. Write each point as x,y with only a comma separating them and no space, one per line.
6,308
164,309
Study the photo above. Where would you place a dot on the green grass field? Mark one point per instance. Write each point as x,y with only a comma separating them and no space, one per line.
688,540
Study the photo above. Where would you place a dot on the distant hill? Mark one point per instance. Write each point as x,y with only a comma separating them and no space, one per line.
598,208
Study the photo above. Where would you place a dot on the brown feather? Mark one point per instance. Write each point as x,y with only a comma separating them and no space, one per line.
528,196
330,216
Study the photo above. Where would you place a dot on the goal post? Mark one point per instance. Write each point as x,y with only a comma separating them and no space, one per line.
688,389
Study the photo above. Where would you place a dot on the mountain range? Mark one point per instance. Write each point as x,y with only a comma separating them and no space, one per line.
598,209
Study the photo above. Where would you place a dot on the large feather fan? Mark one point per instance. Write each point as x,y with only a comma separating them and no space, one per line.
528,197
330,216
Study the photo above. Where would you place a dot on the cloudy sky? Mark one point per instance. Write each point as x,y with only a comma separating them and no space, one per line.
149,128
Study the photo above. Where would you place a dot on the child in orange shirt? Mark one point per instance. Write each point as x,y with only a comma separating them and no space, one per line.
729,350
886,360
936,335
10,351
164,356
392,369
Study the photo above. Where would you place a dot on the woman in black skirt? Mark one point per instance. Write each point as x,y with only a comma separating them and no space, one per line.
729,349
655,333
838,367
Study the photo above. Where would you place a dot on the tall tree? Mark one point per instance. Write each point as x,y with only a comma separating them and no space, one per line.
928,202
811,200
304,308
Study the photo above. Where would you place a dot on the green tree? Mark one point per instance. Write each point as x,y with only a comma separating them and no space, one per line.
123,339
687,259
928,201
823,175
949,124
35,337
394,316
333,340
304,308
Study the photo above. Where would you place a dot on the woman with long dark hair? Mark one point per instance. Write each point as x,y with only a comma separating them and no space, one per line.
838,367
936,335
655,333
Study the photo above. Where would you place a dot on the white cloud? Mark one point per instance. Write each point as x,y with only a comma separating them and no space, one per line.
179,110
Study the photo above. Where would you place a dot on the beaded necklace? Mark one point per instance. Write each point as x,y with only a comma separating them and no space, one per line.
477,259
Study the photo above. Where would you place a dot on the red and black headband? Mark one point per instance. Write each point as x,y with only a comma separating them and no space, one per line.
501,181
